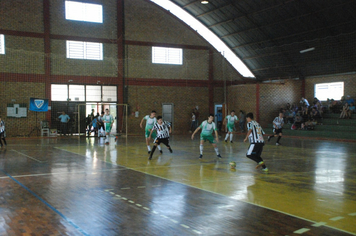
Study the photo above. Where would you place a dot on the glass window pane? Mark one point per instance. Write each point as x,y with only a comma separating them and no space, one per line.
59,92
329,90
93,93
162,55
81,11
2,44
109,93
76,93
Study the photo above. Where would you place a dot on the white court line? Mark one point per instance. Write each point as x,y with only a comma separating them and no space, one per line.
32,158
352,214
319,224
125,188
337,218
300,231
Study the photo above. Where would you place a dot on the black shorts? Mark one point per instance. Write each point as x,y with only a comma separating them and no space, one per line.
255,149
165,141
277,131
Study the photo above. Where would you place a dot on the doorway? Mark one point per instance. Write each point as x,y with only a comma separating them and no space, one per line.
168,113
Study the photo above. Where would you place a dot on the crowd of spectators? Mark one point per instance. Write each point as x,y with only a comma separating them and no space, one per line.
306,115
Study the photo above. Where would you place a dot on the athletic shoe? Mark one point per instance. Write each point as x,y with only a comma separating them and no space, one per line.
231,142
269,138
170,149
201,156
219,156
260,164
277,144
107,143
160,151
115,138
149,152
150,158
265,169
225,140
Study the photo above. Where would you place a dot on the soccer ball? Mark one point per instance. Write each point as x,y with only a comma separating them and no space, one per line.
232,165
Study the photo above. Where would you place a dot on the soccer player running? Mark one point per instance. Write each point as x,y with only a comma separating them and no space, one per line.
163,129
278,123
255,136
150,122
108,122
208,127
231,120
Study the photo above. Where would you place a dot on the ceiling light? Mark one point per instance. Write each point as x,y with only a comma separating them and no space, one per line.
204,2
307,50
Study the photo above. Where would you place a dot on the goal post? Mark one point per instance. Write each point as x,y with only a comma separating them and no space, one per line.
118,111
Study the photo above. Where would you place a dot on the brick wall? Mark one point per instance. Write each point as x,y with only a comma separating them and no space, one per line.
20,92
148,98
22,15
242,97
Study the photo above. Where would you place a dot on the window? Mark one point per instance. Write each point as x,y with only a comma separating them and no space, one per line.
93,93
161,55
109,94
84,50
76,93
2,44
329,90
81,11
59,92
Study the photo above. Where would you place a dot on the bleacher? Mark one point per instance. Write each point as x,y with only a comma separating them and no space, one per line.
332,128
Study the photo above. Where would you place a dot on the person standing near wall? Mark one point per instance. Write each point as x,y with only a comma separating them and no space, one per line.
108,122
64,118
242,121
2,133
230,120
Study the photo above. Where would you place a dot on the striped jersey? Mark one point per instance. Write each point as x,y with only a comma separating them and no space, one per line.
278,121
256,136
150,122
207,128
162,130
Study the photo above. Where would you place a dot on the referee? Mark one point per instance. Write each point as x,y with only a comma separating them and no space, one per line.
163,129
278,123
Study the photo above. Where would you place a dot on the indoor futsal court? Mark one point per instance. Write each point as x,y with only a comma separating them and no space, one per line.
88,88
79,186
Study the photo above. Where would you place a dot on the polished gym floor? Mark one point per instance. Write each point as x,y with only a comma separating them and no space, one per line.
79,186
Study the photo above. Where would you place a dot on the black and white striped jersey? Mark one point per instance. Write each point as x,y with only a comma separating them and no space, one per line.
278,121
162,130
257,133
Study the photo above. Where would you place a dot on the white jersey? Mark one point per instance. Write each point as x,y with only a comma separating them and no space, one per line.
278,121
150,122
231,119
108,118
257,133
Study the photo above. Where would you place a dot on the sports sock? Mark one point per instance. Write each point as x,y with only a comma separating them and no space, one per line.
231,137
159,147
201,149
149,148
279,137
227,136
272,136
153,150
217,151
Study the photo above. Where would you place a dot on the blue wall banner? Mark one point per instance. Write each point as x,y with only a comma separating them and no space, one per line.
38,104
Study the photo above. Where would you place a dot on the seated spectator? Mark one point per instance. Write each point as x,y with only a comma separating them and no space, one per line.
288,107
305,113
349,100
304,101
286,114
298,120
351,110
315,115
309,125
345,111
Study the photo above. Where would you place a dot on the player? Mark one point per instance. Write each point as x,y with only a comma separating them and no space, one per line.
255,135
163,129
278,123
150,122
208,127
231,120
108,122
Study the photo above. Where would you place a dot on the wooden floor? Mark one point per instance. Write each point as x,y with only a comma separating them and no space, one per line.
79,186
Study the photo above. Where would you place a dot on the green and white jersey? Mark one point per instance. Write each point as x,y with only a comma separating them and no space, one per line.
231,119
207,128
108,119
150,122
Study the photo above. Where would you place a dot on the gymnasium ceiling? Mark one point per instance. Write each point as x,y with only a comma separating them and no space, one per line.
268,35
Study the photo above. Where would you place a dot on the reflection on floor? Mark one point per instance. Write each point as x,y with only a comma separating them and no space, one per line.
79,186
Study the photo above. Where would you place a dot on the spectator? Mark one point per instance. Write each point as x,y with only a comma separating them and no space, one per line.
64,118
345,111
349,100
288,107
304,101
192,125
309,125
351,110
219,119
242,120
315,115
196,112
298,120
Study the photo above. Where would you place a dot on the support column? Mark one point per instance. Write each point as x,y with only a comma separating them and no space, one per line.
257,102
120,64
211,81
47,51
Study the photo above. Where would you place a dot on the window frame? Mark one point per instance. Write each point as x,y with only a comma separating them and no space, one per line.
169,54
321,98
86,13
84,51
2,44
